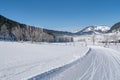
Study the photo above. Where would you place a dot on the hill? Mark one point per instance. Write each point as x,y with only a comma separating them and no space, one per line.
15,31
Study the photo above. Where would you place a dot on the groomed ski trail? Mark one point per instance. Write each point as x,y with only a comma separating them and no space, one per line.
98,64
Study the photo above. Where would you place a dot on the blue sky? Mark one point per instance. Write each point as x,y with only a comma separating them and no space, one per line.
64,15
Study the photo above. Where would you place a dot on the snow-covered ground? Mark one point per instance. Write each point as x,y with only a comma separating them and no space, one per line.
25,60
115,47
59,61
98,64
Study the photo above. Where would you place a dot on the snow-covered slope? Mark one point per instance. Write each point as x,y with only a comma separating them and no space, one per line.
93,30
23,60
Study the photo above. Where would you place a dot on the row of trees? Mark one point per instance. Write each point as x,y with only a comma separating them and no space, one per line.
29,33
108,38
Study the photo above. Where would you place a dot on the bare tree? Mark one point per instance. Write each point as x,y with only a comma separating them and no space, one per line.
106,40
115,37
93,39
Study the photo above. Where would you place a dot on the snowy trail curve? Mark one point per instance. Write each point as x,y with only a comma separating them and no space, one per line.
98,64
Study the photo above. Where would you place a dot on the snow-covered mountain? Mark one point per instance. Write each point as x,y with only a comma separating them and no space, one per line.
93,30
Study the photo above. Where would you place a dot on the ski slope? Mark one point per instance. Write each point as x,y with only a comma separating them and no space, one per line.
20,61
98,64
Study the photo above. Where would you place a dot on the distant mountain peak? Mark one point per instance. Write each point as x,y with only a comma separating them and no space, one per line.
93,30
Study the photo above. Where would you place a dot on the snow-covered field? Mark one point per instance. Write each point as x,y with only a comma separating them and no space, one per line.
58,61
24,60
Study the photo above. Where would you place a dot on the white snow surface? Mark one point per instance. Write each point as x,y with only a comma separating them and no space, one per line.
98,64
20,61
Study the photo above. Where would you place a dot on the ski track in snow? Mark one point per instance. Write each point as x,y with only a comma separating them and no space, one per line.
98,64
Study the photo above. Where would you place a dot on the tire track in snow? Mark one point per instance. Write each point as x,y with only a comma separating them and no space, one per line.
98,64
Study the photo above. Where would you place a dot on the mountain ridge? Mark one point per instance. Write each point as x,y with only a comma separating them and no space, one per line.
93,30
15,31
115,27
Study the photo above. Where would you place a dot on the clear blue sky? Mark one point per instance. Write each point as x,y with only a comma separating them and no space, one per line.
62,14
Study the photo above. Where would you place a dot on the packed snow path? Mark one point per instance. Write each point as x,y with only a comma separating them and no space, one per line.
98,64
